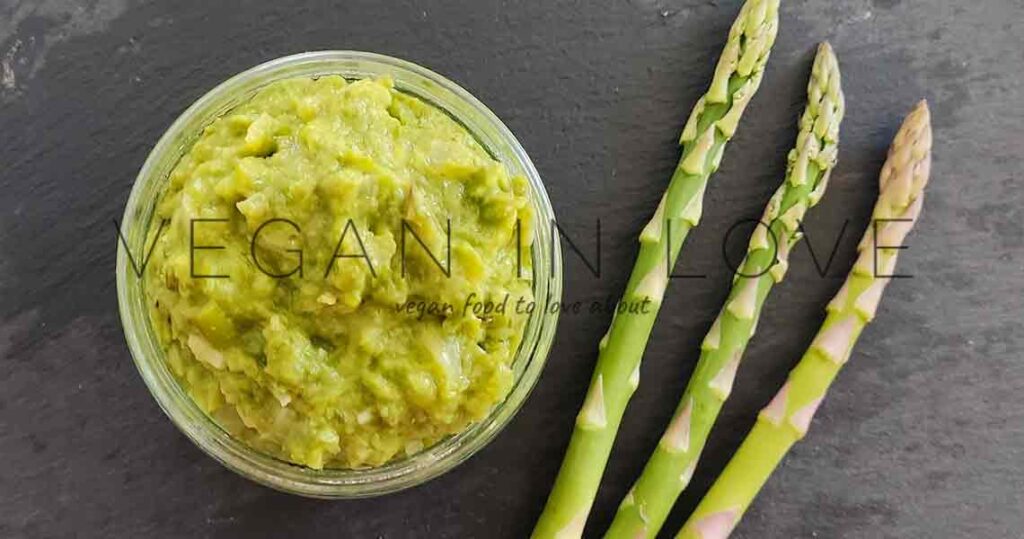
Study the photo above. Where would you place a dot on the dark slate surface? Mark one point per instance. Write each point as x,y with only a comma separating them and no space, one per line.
922,436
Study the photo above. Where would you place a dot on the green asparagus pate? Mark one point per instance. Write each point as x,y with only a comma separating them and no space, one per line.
299,227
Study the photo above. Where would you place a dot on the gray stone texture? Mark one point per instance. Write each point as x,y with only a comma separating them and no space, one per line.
922,435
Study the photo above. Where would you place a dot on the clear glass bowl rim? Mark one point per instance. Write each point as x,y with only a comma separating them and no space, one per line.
203,431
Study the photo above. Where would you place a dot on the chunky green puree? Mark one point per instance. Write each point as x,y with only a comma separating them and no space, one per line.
279,287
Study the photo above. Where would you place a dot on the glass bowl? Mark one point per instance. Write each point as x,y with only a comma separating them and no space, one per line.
148,355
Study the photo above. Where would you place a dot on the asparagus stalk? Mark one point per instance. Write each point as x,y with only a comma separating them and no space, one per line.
671,466
710,126
787,418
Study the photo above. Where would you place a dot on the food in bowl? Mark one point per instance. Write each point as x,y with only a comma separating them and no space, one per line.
320,257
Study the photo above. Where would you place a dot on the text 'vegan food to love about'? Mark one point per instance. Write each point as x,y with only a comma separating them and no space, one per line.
297,226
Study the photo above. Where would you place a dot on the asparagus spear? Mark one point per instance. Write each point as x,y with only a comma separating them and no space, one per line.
711,125
671,466
787,418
